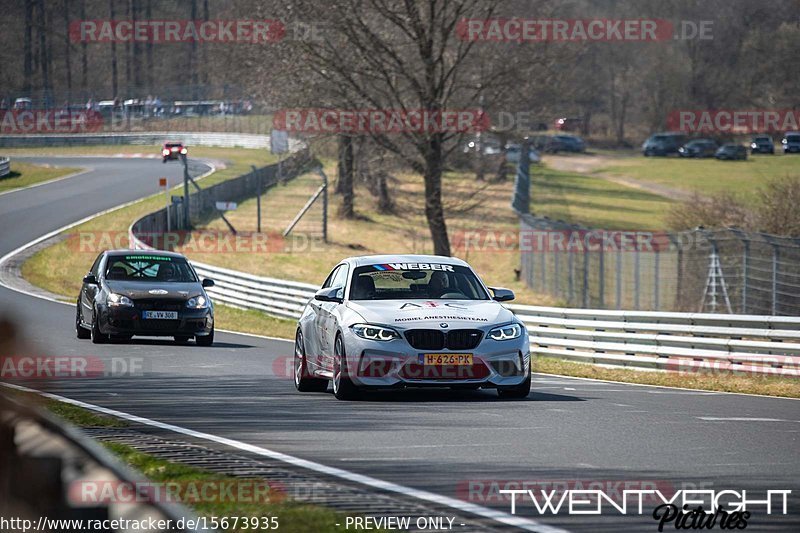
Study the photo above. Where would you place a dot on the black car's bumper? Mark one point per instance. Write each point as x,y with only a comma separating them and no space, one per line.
131,321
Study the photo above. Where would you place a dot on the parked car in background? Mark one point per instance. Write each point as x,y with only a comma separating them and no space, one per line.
513,151
489,145
547,143
663,144
571,143
791,142
698,148
23,104
731,152
762,144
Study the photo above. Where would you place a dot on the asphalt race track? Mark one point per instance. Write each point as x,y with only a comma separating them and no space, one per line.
568,430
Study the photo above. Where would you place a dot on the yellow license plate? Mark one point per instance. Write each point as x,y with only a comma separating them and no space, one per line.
442,359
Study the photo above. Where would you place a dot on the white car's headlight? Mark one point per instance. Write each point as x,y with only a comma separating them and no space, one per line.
506,333
118,300
198,302
375,333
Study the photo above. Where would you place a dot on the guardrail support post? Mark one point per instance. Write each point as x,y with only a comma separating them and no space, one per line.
187,224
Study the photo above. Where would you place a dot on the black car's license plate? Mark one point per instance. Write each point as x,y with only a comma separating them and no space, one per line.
160,315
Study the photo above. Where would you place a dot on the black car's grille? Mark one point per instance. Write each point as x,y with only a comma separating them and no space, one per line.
463,339
434,339
158,305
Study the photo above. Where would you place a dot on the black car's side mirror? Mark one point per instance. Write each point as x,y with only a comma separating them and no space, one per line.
207,282
329,295
90,279
502,295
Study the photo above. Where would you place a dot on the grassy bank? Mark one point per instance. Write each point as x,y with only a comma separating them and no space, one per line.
764,385
707,176
27,174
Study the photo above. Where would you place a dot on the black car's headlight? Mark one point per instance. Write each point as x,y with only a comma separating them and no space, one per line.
506,333
118,300
197,302
375,333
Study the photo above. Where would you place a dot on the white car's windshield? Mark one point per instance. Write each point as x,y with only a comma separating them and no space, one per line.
427,281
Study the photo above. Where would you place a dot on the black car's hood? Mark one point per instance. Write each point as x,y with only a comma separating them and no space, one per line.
154,289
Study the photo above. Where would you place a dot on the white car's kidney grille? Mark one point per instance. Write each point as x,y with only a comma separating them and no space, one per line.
434,339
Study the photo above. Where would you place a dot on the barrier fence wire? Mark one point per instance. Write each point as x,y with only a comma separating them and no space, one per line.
718,271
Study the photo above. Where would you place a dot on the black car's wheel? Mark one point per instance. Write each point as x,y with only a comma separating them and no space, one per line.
520,391
98,337
303,381
80,331
181,339
343,386
205,340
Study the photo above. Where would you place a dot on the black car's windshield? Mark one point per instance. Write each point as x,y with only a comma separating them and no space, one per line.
146,267
429,281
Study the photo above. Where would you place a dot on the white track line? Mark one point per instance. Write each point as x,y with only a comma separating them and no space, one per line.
459,505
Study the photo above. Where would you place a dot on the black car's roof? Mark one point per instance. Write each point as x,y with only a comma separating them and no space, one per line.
154,253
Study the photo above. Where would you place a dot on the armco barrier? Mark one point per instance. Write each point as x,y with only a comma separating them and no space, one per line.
689,342
242,140
5,166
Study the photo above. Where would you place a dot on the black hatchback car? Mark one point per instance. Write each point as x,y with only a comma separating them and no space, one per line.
147,293
698,148
663,144
731,152
762,144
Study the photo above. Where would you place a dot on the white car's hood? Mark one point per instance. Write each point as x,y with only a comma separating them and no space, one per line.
430,313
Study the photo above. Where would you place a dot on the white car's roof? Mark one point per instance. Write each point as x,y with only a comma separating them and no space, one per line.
363,260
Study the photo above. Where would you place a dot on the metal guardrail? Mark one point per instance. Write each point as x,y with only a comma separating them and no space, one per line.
44,462
5,166
229,140
749,344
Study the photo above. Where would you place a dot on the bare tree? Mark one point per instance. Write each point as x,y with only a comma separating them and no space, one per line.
400,56
114,74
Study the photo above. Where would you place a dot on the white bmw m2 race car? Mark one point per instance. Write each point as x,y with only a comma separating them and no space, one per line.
385,321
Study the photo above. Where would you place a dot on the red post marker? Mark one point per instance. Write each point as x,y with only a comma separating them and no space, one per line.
162,182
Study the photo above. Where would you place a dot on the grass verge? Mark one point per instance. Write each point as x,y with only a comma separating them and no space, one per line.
706,176
291,516
27,174
762,385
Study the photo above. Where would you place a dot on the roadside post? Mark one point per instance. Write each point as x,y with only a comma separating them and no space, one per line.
187,225
162,184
